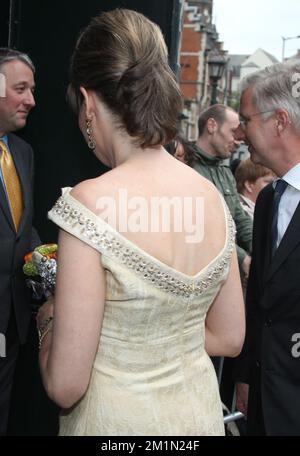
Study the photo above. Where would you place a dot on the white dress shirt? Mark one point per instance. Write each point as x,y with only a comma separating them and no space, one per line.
247,205
289,200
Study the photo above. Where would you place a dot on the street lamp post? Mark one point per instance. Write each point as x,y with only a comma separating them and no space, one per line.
216,65
284,39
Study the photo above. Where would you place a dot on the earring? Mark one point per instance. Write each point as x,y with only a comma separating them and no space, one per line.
89,132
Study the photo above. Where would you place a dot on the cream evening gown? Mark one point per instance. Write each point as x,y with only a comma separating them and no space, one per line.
151,374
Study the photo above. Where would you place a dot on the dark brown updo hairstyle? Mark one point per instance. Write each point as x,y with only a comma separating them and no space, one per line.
122,56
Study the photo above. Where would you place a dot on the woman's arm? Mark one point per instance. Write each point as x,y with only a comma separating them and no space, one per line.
225,320
68,350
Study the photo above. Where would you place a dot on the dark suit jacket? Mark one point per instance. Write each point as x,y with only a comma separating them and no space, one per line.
268,362
13,246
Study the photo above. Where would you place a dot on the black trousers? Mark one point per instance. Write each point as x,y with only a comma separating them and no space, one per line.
7,369
32,413
255,418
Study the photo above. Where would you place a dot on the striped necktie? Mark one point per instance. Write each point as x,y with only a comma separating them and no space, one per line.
12,184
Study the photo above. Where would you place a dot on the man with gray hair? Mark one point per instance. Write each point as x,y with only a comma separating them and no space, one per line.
269,366
17,236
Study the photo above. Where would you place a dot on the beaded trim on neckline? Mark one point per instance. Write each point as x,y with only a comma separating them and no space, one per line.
74,217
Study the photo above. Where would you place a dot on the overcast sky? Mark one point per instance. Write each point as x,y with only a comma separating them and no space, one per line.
245,25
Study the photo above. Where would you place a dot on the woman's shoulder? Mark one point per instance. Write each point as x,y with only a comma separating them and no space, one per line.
84,193
199,182
81,207
109,184
88,192
199,186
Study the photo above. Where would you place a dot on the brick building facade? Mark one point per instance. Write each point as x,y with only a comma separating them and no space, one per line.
199,37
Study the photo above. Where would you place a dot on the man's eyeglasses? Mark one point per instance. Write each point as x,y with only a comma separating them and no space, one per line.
244,120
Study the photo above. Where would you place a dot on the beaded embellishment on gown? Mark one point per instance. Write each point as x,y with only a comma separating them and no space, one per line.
151,374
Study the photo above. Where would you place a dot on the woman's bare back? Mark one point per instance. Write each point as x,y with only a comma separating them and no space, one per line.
166,209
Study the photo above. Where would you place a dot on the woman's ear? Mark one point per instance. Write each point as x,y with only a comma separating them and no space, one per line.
88,102
248,186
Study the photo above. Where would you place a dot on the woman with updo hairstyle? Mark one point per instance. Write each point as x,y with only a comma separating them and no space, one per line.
147,283
123,58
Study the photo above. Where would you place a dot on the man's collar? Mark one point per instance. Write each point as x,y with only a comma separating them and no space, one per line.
292,177
247,201
207,158
5,139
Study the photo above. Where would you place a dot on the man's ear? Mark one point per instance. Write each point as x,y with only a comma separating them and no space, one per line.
211,126
88,102
282,120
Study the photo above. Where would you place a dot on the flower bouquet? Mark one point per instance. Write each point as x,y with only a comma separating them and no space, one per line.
40,270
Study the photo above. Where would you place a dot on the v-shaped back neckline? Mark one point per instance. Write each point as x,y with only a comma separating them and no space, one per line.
150,258
75,218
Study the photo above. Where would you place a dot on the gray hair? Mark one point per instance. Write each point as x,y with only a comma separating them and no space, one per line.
8,55
275,87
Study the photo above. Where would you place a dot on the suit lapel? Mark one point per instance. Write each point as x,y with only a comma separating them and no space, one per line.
5,206
18,158
288,243
264,230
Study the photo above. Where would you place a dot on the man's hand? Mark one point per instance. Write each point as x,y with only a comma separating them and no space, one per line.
242,392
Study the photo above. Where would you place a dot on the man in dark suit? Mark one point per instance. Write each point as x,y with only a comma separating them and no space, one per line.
269,365
17,236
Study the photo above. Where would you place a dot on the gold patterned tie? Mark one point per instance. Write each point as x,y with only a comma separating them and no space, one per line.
12,184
